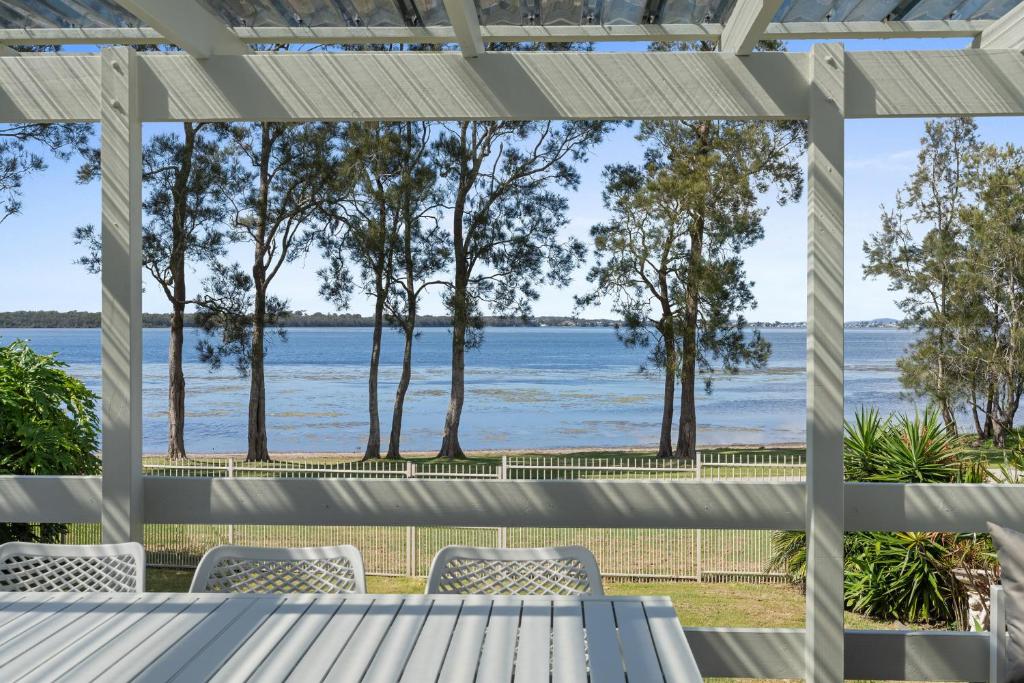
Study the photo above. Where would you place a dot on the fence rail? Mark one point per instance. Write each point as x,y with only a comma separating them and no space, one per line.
645,554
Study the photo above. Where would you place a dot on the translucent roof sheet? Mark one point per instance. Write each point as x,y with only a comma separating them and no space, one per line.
394,13
65,14
892,10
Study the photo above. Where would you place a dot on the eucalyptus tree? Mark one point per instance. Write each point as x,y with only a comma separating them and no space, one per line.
988,308
501,180
919,250
385,224
670,256
365,231
423,250
186,178
283,175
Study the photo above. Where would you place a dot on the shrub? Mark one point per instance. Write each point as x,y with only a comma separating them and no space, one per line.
48,425
910,577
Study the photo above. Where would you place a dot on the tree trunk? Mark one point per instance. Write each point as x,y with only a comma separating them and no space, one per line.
979,427
258,451
394,442
450,447
176,384
179,246
373,440
668,402
686,446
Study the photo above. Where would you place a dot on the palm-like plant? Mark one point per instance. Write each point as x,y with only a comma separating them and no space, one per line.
914,577
917,450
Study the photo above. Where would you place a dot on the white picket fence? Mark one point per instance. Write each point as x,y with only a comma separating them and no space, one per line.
688,554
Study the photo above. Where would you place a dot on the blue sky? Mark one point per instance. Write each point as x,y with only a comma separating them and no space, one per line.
37,269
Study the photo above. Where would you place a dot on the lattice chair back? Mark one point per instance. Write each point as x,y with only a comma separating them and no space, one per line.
566,570
243,569
108,568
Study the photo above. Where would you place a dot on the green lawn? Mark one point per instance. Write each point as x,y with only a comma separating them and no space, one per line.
698,604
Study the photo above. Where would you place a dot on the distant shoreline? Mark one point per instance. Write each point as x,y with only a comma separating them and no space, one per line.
91,320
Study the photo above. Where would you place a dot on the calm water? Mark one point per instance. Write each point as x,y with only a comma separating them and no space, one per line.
526,388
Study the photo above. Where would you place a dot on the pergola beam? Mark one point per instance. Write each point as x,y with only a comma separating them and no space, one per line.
1006,32
466,25
513,85
188,25
746,25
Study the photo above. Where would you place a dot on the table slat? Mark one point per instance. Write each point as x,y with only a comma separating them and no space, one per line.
637,645
207,617
428,654
17,646
29,614
497,656
361,648
674,653
110,650
602,642
261,644
533,658
464,649
569,659
220,647
294,646
324,650
388,664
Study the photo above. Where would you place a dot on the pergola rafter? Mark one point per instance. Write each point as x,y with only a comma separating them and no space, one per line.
747,24
465,26
1007,32
188,25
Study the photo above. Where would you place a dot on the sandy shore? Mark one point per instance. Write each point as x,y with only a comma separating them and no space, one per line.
352,455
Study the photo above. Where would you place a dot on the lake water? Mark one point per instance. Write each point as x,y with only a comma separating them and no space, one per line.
525,388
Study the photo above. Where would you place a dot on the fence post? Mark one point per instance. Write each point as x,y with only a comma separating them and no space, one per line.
410,531
699,533
231,527
503,476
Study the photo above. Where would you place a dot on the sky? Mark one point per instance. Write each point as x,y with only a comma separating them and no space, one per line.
37,269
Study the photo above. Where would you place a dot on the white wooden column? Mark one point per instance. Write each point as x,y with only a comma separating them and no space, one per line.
121,318
824,653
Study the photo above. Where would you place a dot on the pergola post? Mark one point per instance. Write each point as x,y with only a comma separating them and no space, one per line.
121,317
825,516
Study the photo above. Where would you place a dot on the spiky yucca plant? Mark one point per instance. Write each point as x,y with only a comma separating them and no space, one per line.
911,577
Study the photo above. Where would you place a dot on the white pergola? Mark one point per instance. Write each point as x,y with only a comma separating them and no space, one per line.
220,76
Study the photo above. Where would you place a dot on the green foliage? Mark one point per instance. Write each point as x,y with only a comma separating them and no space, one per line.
903,576
910,577
901,449
48,425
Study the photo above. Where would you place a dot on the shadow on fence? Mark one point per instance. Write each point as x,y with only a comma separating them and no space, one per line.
643,554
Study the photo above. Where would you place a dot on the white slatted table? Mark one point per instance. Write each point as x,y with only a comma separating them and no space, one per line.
175,636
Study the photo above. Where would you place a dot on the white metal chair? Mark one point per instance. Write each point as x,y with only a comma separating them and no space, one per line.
108,568
244,569
566,570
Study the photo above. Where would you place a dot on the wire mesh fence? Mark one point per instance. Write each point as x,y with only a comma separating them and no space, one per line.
687,554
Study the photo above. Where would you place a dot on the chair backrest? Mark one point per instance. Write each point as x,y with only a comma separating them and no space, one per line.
243,569
566,570
107,568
